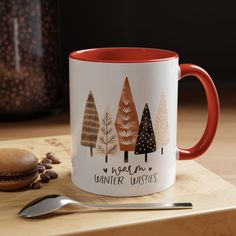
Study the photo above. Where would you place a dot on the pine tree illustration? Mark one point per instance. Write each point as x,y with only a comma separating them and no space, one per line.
107,142
126,121
146,142
162,128
90,124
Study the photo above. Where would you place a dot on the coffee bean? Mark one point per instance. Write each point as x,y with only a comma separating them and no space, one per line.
35,185
50,155
56,161
46,160
41,168
47,165
45,178
52,174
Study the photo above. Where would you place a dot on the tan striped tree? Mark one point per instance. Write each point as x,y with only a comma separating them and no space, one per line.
90,126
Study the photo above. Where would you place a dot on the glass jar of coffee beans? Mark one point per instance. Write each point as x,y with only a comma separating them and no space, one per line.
30,83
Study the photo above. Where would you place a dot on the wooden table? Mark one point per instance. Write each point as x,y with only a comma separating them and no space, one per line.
214,198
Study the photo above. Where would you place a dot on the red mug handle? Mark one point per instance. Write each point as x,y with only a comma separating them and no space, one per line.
213,111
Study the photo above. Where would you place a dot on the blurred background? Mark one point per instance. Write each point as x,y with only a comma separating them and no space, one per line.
202,32
37,36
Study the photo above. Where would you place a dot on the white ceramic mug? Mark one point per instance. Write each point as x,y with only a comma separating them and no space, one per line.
123,106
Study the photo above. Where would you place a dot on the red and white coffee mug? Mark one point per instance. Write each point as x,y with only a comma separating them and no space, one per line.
123,106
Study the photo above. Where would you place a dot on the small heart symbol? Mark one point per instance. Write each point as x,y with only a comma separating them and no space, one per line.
150,168
105,170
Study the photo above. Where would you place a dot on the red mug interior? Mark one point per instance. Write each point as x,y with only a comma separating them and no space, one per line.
124,55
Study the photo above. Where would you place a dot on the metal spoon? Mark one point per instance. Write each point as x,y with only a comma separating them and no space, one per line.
49,203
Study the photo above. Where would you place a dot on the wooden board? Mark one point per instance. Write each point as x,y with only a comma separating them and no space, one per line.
213,198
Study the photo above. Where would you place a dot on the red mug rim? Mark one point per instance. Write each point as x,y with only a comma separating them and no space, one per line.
123,55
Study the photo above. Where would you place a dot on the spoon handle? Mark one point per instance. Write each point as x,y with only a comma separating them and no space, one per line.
140,206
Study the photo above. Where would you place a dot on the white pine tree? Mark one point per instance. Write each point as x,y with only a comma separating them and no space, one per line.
107,142
162,128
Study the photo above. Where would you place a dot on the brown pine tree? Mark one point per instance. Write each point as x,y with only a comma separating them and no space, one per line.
126,123
107,142
90,124
162,128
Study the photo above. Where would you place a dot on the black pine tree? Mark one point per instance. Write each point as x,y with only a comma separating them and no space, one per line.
146,142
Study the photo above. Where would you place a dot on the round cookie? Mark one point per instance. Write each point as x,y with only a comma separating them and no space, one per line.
18,168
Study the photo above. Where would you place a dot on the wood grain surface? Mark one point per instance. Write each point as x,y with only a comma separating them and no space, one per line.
213,198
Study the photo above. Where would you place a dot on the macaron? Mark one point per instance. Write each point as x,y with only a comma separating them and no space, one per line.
18,168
